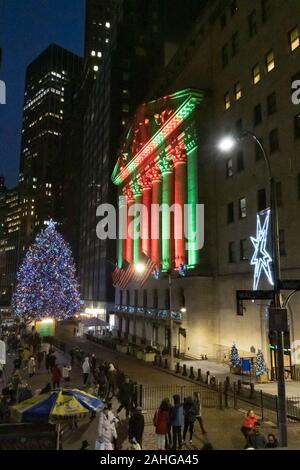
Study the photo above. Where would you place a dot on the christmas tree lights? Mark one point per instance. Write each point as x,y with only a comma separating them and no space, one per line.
46,281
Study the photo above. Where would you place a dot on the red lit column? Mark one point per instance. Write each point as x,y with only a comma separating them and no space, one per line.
180,160
137,194
155,215
129,245
146,184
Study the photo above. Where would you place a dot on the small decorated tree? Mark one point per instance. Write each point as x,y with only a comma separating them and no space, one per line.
46,281
234,357
260,366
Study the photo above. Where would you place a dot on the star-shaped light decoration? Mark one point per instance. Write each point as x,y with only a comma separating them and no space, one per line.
261,259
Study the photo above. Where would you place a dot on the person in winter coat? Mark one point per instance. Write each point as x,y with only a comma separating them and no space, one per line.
161,422
31,367
102,382
198,406
86,370
256,440
66,372
112,379
272,442
125,396
136,426
249,422
56,377
93,363
190,414
177,422
107,429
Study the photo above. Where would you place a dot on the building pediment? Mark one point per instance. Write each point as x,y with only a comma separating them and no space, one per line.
154,126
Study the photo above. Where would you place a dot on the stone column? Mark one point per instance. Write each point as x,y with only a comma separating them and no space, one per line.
155,215
129,245
146,184
137,194
166,168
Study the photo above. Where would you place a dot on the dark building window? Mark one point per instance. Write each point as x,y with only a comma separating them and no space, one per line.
230,212
297,126
252,23
155,299
239,126
231,252
240,161
265,10
298,184
121,298
282,243
257,115
223,21
235,43
136,296
233,7
244,255
225,55
229,168
274,140
258,152
127,297
145,298
261,199
271,103
167,299
242,208
279,194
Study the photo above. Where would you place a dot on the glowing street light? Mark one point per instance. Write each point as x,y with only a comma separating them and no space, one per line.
227,144
140,268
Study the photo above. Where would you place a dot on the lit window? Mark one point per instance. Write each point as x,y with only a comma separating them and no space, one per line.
242,208
229,168
237,91
227,100
106,40
107,25
96,68
256,74
270,60
294,40
99,54
93,53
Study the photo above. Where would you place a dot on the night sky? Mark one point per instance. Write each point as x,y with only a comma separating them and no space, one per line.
27,27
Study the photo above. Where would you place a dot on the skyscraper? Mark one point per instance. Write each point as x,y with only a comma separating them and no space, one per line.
47,78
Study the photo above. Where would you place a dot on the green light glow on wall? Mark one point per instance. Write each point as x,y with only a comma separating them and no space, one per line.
192,183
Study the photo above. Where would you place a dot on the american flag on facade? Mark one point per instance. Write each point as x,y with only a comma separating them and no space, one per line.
116,276
126,275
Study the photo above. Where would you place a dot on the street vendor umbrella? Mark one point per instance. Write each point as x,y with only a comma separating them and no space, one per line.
56,407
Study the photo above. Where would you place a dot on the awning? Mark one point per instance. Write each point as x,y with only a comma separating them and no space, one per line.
93,322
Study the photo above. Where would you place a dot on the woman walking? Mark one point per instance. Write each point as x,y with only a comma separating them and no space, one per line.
161,422
31,367
190,414
198,406
86,370
107,432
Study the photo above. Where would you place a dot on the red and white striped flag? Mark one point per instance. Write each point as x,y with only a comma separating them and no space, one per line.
141,278
116,276
126,276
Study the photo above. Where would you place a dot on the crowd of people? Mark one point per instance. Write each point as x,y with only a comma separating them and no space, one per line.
253,436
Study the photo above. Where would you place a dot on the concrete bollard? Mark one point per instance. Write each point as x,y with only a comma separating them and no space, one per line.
207,381
184,372
166,366
199,375
192,376
160,363
177,368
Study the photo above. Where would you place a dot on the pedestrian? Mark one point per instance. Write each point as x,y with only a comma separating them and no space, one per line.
169,435
249,422
198,406
86,370
40,358
256,439
106,430
102,382
177,419
66,372
56,377
190,413
17,363
85,445
31,367
112,379
93,363
52,361
161,422
47,362
125,396
272,442
136,426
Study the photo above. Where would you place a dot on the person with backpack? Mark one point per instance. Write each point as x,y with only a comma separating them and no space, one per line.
190,414
177,422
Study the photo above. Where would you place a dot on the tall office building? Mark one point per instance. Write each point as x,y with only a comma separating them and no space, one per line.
144,38
40,179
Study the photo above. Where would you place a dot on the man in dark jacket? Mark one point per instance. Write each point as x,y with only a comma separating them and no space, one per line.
125,396
190,414
256,439
136,426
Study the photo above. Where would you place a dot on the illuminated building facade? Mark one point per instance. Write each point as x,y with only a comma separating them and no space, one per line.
246,73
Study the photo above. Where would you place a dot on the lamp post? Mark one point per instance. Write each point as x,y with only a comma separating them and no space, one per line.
226,145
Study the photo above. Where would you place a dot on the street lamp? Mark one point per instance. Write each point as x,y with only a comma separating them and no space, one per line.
226,144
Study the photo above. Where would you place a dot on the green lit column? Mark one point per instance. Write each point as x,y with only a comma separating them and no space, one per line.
137,195
192,190
122,234
167,198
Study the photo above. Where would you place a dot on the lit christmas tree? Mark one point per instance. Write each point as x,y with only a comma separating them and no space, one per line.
234,356
260,367
46,280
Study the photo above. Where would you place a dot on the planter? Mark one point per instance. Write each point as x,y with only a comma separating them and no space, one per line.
148,357
139,354
262,379
122,348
